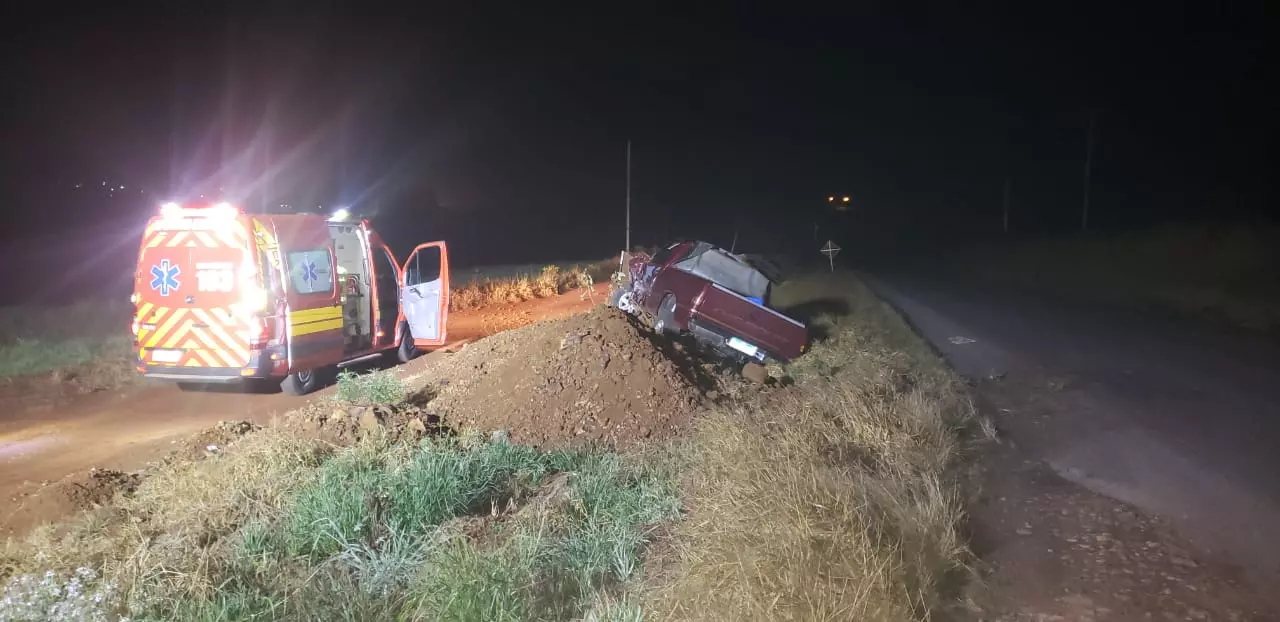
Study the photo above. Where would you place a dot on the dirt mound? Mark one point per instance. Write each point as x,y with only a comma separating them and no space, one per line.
97,487
343,424
588,378
212,440
39,503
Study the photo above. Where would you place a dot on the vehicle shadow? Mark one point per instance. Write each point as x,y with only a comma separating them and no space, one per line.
811,313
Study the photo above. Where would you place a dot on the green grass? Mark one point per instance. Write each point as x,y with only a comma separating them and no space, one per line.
438,530
370,389
87,343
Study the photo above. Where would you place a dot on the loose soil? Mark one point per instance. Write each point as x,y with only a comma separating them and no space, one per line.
592,378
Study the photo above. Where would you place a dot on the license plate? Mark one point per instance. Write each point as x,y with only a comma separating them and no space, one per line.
166,356
743,347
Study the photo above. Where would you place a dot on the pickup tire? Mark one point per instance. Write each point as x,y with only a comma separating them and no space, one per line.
615,296
666,320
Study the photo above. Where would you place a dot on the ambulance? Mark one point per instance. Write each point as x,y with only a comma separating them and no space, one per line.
223,296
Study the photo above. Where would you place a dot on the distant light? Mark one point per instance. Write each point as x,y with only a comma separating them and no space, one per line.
340,215
846,199
122,186
831,199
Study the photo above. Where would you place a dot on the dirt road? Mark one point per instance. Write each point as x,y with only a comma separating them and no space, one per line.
45,438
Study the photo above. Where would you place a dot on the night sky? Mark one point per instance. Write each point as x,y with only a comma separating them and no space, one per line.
504,130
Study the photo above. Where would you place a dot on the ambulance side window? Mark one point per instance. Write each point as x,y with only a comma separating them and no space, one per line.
310,271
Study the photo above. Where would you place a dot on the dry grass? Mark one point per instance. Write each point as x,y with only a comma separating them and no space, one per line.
169,542
466,298
552,280
548,282
837,500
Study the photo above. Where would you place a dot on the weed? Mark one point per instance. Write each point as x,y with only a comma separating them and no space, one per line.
464,583
613,505
371,389
523,289
338,509
466,298
443,481
548,282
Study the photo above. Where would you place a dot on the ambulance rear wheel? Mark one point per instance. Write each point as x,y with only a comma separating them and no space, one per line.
300,383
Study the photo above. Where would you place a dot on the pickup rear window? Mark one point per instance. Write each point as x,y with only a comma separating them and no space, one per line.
664,256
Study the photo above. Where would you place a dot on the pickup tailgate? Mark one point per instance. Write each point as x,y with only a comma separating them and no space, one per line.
735,316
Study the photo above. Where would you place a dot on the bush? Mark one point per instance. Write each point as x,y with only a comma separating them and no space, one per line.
466,298
548,282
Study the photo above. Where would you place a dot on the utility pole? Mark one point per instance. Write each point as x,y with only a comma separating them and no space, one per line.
1088,170
627,248
1008,189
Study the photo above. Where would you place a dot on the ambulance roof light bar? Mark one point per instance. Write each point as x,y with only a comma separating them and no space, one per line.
173,209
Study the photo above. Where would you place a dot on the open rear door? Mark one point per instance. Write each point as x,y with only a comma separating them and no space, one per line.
424,293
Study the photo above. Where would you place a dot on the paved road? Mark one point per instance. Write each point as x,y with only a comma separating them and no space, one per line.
1176,418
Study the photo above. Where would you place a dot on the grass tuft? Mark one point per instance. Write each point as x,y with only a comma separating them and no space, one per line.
378,388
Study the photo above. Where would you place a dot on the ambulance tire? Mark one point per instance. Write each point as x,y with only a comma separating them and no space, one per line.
301,383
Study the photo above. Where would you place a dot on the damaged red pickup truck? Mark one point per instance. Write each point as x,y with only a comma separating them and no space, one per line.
697,288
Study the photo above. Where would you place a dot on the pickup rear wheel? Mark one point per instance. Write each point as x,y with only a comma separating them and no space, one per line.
666,321
623,300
